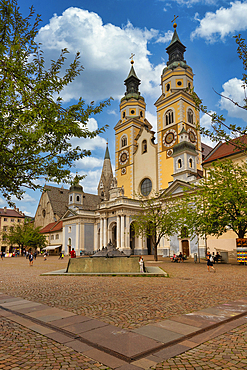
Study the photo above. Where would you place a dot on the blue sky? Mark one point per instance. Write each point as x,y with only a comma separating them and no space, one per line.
107,32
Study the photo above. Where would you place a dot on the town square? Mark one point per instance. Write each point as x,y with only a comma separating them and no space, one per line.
122,304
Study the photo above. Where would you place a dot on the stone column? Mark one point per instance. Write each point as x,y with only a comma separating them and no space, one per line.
122,233
95,242
64,243
101,234
118,232
77,240
105,232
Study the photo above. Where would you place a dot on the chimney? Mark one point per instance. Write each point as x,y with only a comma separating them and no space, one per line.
5,209
17,209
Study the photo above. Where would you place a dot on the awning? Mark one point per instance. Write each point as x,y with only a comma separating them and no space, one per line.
52,247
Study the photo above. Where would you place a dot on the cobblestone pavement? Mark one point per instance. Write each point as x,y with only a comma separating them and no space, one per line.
228,351
21,348
126,302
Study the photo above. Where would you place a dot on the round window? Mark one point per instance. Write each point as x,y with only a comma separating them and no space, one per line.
146,187
132,111
179,83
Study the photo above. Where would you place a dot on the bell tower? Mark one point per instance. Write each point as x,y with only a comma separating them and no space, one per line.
132,110
175,110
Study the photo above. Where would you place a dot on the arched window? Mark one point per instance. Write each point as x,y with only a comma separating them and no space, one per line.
123,114
190,116
78,198
124,141
169,117
190,163
70,198
144,146
180,163
69,241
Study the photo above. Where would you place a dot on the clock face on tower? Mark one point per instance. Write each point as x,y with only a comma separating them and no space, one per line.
123,157
169,138
192,136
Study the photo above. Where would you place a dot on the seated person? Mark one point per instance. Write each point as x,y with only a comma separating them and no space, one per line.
180,257
217,257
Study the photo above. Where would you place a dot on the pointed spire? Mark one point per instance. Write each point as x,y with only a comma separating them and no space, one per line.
106,176
107,154
176,51
132,82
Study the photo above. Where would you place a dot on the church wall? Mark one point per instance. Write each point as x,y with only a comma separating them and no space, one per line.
88,242
70,233
44,214
145,164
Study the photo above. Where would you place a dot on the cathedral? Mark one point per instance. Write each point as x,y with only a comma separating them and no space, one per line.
143,166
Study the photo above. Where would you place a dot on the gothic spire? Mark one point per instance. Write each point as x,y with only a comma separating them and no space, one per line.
106,176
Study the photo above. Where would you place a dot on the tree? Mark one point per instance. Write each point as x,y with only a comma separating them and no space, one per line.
219,201
25,235
158,218
220,129
36,130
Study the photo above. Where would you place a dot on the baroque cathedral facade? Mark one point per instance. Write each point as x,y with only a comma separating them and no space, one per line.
143,166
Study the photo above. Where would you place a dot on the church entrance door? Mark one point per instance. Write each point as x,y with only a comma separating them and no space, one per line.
114,235
185,248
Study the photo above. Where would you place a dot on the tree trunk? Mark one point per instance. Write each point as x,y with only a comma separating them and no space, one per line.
155,252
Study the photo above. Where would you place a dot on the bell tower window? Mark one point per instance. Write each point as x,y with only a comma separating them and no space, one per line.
124,141
179,163
190,163
169,117
190,116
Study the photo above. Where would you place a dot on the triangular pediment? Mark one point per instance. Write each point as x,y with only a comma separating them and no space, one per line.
69,213
178,187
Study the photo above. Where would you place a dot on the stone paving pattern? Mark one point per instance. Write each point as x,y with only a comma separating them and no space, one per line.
228,351
127,303
22,348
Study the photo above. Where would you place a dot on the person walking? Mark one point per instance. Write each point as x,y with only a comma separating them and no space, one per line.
30,259
210,262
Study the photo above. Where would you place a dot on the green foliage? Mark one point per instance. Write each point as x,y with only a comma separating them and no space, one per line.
219,201
25,235
36,130
220,130
158,217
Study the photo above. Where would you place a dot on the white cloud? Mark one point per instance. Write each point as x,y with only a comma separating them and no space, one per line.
223,22
89,162
90,183
205,122
26,198
105,51
90,144
152,119
190,3
167,37
3,202
234,90
112,112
